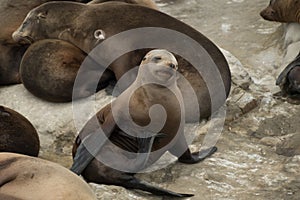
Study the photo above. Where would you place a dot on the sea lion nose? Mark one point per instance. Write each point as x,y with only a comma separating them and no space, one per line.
21,37
268,13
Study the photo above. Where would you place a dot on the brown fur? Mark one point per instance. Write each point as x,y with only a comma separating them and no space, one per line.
282,11
17,134
113,18
147,3
23,177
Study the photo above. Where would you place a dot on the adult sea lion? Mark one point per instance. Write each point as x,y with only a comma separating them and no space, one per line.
12,13
108,19
28,178
147,3
17,134
289,79
135,135
282,11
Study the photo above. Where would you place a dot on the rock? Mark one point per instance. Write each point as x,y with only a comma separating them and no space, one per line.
239,75
290,146
292,165
270,141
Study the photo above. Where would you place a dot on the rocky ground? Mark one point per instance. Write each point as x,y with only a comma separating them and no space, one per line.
259,149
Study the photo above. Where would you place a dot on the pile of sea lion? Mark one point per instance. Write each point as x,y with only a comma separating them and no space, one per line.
49,47
286,11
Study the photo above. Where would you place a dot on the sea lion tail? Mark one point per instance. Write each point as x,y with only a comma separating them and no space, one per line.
142,185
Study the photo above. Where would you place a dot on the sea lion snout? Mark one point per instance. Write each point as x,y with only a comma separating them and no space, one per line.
22,37
268,14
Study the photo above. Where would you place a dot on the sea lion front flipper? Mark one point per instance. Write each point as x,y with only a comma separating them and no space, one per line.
94,141
135,183
144,148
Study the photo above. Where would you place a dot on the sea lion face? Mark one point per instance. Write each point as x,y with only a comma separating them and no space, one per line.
48,20
27,33
282,11
160,65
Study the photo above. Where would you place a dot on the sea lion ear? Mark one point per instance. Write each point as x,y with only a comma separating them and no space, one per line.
42,15
99,34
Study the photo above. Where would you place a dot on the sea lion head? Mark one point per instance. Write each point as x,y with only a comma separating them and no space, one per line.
159,66
46,21
282,11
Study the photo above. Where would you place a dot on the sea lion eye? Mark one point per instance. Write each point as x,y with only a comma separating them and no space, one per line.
173,66
41,15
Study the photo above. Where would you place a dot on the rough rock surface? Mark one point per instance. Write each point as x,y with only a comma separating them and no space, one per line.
258,152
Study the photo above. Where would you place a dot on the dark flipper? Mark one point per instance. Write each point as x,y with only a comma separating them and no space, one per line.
84,156
91,145
283,75
191,158
135,183
144,148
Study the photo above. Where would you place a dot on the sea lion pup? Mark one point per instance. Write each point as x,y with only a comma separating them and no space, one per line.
17,135
112,18
147,3
49,68
29,178
135,134
289,79
282,11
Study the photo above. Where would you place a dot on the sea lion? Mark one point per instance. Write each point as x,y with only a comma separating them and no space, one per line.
10,58
282,11
49,68
29,178
12,13
111,18
289,79
147,3
17,134
134,139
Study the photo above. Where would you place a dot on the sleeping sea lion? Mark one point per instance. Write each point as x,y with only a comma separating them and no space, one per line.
108,19
132,133
282,11
29,178
12,13
17,134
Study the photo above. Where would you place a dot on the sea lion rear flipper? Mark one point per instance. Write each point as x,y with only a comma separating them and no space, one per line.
188,157
91,145
191,158
135,183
